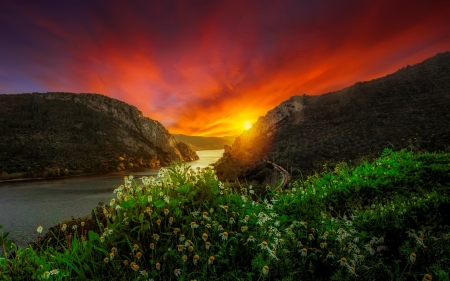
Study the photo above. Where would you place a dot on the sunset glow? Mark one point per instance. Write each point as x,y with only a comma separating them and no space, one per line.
208,67
247,125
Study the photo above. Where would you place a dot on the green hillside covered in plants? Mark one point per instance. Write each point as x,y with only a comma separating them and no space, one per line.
383,220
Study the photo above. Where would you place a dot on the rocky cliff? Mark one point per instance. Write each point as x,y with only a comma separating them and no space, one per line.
87,132
406,109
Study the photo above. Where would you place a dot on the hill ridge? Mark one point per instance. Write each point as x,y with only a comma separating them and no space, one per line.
42,131
408,108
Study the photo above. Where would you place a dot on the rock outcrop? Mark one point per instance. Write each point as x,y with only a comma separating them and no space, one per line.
47,130
406,109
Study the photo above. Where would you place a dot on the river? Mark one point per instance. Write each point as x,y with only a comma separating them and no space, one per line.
26,205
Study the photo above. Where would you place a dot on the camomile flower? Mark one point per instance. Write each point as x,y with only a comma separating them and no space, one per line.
195,259
330,255
232,220
176,230
182,237
205,237
207,245
211,260
427,277
106,260
177,272
191,249
250,239
304,252
54,272
170,220
311,237
158,266
46,275
263,245
63,227
412,257
149,198
224,235
152,246
265,270
343,261
180,248
194,225
39,229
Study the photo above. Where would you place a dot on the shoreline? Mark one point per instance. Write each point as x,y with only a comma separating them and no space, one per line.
72,176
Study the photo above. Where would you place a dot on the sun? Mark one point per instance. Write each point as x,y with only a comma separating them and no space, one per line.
247,125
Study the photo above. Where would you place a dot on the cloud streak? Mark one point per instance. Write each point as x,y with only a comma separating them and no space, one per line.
205,67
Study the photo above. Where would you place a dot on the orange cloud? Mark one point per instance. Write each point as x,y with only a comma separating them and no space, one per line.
205,69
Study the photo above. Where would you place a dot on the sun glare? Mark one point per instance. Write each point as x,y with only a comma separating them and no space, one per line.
247,125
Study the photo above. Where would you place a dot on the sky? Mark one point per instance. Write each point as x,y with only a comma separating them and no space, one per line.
211,68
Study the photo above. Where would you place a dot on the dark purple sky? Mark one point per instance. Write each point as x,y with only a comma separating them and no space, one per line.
206,67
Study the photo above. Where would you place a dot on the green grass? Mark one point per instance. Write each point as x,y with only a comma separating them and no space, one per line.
384,220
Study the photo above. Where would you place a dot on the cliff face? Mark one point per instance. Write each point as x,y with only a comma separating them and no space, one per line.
407,109
109,134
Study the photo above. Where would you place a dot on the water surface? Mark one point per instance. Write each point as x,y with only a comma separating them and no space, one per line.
26,205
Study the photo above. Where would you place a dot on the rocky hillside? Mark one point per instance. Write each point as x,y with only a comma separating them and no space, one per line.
205,143
59,133
407,109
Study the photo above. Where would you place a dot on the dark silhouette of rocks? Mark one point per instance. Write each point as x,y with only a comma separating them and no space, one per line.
56,134
407,109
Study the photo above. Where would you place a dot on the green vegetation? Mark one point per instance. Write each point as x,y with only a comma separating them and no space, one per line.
383,220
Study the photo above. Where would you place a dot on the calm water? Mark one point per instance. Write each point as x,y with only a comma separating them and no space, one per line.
26,205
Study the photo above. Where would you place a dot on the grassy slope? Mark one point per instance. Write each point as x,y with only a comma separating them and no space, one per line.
375,215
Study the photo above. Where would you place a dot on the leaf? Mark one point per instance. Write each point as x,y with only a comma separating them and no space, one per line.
159,204
93,236
126,205
173,203
443,276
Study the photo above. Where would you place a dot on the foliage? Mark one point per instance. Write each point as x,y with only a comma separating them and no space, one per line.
383,220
